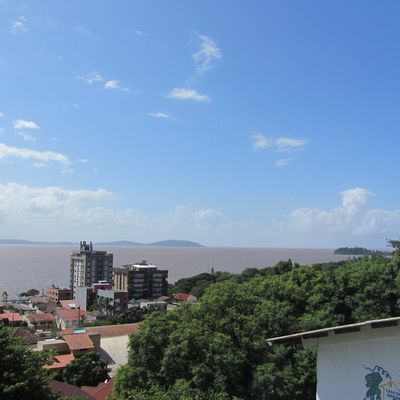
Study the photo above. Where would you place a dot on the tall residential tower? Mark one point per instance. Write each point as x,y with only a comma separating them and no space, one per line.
89,266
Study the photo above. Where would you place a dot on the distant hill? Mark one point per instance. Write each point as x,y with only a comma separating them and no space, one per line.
176,243
163,243
356,251
21,241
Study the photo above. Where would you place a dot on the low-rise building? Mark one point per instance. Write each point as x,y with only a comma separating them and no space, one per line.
40,320
70,318
55,294
117,300
141,280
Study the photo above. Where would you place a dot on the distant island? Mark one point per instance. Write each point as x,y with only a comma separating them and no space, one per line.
162,243
357,251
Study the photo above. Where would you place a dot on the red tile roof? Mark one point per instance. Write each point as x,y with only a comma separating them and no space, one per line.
60,361
66,303
71,315
181,296
45,317
67,389
11,316
101,392
108,330
79,341
25,334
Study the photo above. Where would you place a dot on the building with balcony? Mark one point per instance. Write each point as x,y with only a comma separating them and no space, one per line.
55,294
88,266
141,280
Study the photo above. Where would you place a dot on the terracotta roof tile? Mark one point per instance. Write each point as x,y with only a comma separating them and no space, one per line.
71,315
109,330
79,341
67,389
45,317
11,316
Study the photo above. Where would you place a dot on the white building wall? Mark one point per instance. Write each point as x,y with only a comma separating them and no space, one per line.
345,360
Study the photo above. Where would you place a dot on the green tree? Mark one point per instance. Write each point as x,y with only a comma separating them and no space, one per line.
32,292
88,370
21,374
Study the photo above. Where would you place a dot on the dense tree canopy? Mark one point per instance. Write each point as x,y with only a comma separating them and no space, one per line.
86,370
218,348
21,374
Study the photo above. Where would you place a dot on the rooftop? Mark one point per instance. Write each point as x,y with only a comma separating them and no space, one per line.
79,341
71,315
40,317
109,330
11,316
335,330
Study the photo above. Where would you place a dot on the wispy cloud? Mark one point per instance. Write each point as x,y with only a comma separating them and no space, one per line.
91,78
115,85
205,58
84,31
188,94
282,162
73,105
27,137
281,144
2,115
261,142
137,32
19,25
288,144
24,124
10,152
161,115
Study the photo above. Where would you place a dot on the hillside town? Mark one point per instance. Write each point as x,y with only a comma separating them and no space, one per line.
102,307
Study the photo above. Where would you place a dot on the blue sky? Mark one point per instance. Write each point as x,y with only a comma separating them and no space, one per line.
269,123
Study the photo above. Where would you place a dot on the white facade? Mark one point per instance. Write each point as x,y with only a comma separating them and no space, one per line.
358,361
359,365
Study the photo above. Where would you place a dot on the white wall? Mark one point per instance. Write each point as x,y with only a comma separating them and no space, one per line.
343,361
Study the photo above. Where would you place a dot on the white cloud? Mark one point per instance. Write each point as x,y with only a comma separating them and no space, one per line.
27,137
161,115
354,216
279,145
188,94
84,31
1,115
83,161
206,57
9,152
26,201
23,124
208,218
287,144
73,105
19,25
281,162
55,212
115,85
91,78
261,142
139,33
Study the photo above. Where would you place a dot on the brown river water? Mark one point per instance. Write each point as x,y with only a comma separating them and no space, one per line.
37,266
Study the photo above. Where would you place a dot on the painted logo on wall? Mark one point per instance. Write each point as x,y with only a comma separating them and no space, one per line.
380,385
